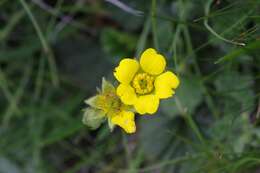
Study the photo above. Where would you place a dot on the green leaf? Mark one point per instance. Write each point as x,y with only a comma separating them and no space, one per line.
8,166
62,132
164,33
154,134
93,118
251,47
236,90
117,44
189,95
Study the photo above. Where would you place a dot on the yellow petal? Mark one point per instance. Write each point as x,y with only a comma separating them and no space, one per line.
126,70
151,62
165,83
147,104
126,93
125,120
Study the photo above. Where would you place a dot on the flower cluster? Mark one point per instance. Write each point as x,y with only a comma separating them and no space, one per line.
141,86
107,105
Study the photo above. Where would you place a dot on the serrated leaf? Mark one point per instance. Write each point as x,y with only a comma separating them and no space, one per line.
154,134
241,95
189,95
93,118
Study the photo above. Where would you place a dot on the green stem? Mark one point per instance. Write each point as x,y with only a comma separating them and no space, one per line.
142,40
170,162
190,121
154,24
209,99
44,43
206,24
173,49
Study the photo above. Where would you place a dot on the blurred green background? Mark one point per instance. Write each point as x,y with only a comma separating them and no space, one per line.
53,54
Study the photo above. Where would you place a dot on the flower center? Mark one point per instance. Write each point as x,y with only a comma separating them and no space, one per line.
143,83
109,102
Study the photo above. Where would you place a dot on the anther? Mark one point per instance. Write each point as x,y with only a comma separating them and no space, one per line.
143,83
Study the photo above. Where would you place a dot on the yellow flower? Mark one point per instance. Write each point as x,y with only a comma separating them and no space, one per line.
108,105
125,119
144,83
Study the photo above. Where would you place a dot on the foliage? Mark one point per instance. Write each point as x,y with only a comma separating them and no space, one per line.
53,54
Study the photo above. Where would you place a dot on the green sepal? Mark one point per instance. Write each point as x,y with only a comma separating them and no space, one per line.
99,90
107,87
110,124
93,102
93,118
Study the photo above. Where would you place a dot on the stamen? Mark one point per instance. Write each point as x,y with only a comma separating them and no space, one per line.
143,83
